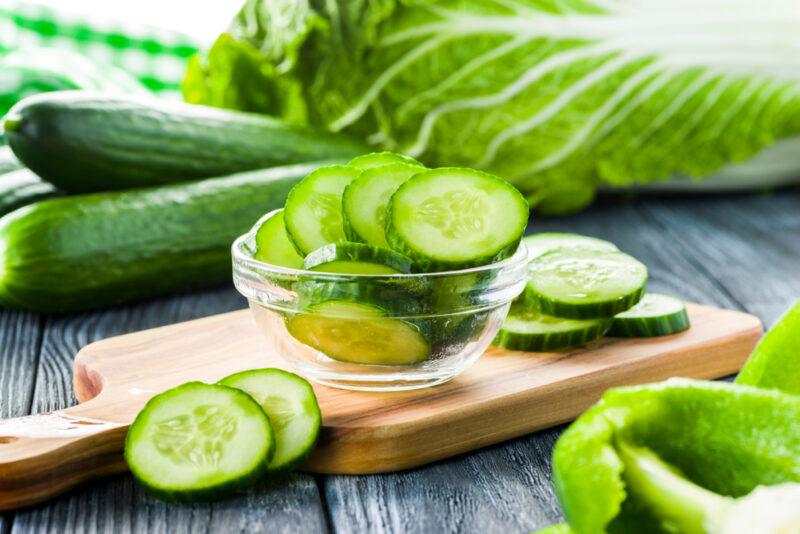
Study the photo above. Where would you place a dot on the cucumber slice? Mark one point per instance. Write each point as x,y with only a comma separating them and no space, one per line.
376,159
654,315
199,441
538,244
291,405
366,200
313,211
273,245
355,332
529,330
357,258
580,283
453,218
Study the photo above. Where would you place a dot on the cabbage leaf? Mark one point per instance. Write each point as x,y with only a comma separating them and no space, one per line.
556,96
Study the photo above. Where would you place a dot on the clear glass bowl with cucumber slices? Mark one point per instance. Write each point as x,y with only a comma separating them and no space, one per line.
379,330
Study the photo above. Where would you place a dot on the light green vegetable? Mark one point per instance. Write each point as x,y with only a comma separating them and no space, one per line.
728,439
556,97
775,362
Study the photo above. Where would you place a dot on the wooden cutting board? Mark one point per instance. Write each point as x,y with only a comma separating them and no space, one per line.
504,395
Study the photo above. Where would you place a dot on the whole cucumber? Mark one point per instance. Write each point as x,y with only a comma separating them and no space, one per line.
90,251
84,142
22,187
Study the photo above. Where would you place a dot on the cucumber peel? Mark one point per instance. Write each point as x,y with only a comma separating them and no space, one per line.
654,315
528,330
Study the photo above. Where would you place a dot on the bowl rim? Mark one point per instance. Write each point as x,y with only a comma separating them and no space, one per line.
519,258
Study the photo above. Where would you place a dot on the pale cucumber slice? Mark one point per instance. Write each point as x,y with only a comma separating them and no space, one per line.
291,405
377,159
357,258
355,332
366,200
654,315
199,441
273,245
313,211
583,283
528,330
452,218
538,244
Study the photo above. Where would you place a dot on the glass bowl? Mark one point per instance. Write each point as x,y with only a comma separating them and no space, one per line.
377,332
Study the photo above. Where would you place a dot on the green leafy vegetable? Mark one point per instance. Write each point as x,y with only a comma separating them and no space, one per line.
775,362
556,97
723,438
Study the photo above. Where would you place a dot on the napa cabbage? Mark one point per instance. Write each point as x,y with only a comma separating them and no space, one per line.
559,97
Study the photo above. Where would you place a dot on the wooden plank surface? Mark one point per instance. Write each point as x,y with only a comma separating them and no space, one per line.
504,395
686,243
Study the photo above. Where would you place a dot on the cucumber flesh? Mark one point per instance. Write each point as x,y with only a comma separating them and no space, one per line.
528,330
313,211
538,244
377,159
654,315
199,441
291,405
357,258
366,200
581,283
451,218
273,245
355,332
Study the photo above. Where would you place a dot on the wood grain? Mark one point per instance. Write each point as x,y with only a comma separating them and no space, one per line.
506,394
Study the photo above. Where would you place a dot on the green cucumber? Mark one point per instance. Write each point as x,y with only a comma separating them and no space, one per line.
580,283
357,258
366,200
538,244
377,159
22,187
89,251
452,218
528,330
84,142
8,161
199,441
313,212
273,245
654,315
291,405
357,332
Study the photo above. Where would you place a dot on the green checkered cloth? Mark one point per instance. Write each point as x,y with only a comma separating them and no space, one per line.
155,57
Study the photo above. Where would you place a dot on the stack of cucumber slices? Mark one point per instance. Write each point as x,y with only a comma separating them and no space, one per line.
200,441
581,288
385,214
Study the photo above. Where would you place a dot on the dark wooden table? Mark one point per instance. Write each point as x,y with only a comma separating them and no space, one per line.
738,251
